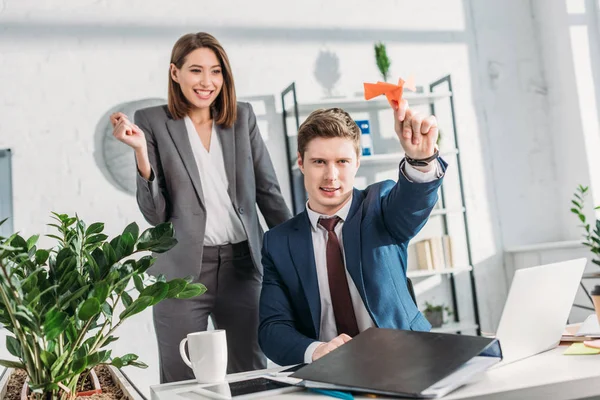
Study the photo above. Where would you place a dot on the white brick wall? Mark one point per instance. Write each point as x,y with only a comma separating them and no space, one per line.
65,63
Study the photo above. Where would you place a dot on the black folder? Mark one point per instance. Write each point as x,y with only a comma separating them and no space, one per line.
402,363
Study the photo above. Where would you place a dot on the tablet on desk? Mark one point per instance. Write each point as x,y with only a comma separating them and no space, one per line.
257,387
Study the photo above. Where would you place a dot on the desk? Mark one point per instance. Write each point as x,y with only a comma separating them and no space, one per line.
549,375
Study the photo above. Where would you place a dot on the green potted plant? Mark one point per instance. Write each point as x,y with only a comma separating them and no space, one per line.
382,60
60,303
591,234
435,313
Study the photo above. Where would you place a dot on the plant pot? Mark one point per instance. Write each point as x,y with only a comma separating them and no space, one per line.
119,379
435,318
95,382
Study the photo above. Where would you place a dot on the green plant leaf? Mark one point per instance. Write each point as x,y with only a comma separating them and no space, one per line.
107,310
116,362
139,284
48,358
55,323
101,292
89,342
58,364
68,279
126,245
96,227
134,230
577,204
175,287
55,237
126,298
128,359
32,241
14,347
12,364
62,257
41,256
41,294
71,332
139,305
109,254
192,290
158,239
19,243
164,245
157,291
89,308
96,238
109,340
100,260
93,359
138,364
144,263
25,318
79,365
104,355
64,301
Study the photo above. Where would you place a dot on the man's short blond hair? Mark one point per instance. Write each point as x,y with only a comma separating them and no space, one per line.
328,123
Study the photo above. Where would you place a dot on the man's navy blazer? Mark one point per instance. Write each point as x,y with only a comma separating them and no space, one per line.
382,220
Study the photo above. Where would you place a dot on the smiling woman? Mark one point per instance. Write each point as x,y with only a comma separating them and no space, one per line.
203,166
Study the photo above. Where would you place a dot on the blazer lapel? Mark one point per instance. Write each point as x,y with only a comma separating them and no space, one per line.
302,252
227,138
352,245
178,132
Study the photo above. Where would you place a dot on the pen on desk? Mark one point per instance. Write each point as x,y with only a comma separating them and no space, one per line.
333,393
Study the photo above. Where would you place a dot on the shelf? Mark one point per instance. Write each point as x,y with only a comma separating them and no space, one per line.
359,104
540,247
387,158
455,327
381,164
446,211
424,273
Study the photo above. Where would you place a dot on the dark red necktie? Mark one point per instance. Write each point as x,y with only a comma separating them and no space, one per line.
345,319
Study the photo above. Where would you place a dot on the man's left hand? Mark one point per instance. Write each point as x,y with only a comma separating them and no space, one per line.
418,134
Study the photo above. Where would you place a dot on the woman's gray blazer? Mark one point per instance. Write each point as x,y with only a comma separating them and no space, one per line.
174,191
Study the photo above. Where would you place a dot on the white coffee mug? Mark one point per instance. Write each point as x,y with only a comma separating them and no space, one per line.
208,355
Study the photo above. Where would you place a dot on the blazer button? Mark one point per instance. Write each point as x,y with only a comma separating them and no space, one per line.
241,210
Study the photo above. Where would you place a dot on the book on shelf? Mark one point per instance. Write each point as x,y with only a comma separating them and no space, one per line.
424,257
448,251
431,254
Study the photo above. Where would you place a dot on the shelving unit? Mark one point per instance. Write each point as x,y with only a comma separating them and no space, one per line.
455,327
439,91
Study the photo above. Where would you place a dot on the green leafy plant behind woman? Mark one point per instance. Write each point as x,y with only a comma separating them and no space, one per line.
59,303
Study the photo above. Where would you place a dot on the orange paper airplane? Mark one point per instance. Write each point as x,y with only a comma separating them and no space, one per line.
391,91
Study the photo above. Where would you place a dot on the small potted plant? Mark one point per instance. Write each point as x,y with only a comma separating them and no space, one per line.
382,60
59,304
591,234
435,314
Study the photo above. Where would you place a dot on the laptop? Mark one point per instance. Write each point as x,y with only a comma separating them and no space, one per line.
537,308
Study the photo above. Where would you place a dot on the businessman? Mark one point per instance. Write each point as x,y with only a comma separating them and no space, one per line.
339,267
